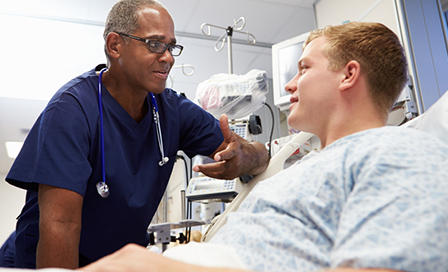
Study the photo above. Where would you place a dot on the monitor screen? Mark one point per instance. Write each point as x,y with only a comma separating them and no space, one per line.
285,56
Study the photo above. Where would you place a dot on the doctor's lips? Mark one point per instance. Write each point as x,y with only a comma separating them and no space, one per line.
162,73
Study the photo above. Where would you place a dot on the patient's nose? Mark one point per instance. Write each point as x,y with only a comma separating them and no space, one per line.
291,86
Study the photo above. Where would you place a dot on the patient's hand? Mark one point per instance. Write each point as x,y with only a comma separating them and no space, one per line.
130,258
136,258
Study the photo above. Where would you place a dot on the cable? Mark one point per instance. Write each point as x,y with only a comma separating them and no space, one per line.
272,128
186,166
191,176
188,212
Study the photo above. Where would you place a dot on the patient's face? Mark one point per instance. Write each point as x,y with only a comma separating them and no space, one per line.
313,90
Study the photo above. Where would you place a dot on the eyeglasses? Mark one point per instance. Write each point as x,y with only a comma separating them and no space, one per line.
158,47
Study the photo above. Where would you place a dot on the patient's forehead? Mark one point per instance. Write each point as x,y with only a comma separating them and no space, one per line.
314,51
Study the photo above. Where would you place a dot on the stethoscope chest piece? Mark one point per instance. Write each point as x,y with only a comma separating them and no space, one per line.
103,189
163,161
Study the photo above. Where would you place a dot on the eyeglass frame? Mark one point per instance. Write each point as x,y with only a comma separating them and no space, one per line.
148,41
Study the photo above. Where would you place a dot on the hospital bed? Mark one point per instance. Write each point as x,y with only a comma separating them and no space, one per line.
433,121
275,166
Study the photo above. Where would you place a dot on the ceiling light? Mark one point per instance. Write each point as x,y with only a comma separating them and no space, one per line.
13,148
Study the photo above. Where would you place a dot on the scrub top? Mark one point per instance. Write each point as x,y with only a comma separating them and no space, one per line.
62,150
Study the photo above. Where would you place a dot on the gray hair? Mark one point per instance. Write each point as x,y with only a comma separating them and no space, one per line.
123,17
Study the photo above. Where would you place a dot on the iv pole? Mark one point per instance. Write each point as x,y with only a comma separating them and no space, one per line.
206,30
183,66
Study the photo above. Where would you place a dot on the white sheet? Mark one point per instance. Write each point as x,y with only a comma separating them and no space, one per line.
28,270
205,254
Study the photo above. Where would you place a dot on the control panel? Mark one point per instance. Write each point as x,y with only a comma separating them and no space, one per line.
242,129
201,188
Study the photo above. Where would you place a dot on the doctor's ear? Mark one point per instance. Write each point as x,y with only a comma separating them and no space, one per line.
113,44
352,72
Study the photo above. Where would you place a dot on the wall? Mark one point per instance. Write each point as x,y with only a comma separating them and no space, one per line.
47,53
425,28
330,12
422,32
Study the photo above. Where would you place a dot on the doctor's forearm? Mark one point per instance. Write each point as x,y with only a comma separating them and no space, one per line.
60,213
58,248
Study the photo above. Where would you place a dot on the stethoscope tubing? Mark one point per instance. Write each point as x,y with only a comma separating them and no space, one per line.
100,105
155,112
102,187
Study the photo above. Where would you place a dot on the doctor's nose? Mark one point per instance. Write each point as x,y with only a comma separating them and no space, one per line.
166,57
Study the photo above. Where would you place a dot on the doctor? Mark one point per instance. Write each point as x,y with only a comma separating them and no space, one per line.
98,159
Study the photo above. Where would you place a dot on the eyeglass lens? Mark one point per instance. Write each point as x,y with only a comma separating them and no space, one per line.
160,47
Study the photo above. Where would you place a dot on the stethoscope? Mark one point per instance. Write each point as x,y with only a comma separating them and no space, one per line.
101,186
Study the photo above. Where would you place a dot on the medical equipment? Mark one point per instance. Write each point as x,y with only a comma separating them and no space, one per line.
240,128
246,128
102,187
219,190
275,165
160,233
237,96
223,93
228,35
234,95
155,111
184,71
434,120
206,188
284,67
405,108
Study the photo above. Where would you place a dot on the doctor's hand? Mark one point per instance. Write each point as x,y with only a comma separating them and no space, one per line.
235,157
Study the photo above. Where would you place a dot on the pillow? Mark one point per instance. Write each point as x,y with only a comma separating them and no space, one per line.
434,120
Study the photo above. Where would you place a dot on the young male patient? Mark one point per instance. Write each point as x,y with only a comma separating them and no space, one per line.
374,197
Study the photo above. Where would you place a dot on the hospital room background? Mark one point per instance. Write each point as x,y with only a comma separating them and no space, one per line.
45,43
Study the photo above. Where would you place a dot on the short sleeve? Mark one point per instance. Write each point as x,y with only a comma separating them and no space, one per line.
199,130
56,149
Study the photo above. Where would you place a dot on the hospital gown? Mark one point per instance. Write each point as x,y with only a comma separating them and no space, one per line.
374,199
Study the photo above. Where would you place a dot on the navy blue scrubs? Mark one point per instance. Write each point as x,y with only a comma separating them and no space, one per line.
7,251
62,150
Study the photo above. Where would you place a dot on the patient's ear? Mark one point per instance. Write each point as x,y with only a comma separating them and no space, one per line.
352,72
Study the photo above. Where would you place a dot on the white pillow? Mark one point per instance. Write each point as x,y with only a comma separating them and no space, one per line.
434,120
